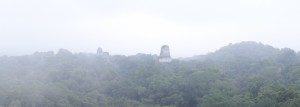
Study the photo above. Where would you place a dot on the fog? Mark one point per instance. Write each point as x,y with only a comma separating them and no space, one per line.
245,74
224,53
189,27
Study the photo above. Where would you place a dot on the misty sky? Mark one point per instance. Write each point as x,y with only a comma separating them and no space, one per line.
128,27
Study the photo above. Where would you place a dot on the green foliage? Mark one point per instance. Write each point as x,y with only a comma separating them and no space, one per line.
248,74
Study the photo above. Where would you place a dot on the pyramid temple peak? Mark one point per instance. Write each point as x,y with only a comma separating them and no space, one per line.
165,56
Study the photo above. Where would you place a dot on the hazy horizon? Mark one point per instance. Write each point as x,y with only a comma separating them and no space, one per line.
130,27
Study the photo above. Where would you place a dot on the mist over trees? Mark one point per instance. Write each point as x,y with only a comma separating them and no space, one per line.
247,74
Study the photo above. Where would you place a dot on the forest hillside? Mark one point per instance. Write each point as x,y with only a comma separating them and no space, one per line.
246,74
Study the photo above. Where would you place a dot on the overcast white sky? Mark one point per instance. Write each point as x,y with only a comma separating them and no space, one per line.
128,27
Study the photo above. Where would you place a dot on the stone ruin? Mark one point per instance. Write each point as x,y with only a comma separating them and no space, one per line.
165,54
99,51
102,53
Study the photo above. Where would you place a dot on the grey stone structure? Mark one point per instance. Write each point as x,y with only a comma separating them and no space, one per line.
165,56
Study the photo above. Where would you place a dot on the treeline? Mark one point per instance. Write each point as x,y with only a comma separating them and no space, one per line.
246,74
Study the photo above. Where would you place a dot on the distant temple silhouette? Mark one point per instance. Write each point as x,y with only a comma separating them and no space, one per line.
101,52
165,54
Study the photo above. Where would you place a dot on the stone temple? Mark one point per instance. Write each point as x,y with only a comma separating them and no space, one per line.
165,54
102,53
99,51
